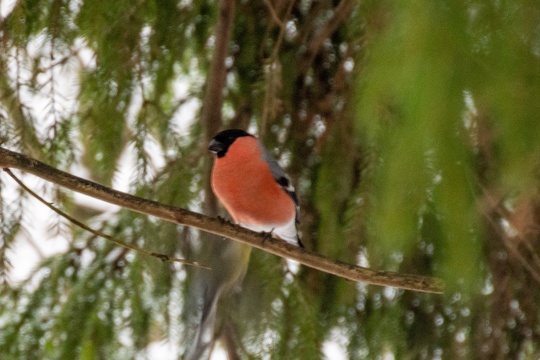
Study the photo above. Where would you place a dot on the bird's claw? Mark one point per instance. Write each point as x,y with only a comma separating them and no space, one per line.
267,235
222,219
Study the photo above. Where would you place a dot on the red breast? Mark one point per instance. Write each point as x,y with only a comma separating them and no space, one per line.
244,184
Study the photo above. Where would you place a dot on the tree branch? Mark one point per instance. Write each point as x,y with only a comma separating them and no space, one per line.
10,159
213,98
342,11
162,257
215,83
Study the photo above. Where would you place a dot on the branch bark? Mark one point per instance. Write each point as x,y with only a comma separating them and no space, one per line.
217,226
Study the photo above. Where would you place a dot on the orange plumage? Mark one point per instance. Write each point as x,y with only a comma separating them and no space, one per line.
250,185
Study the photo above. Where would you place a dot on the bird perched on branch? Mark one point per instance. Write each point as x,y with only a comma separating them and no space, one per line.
259,196
252,186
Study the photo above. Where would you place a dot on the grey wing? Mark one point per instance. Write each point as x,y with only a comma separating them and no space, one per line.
281,178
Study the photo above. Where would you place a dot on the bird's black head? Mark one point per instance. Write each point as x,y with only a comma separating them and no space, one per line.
221,142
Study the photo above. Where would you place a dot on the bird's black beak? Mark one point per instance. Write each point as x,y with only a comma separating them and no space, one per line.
215,146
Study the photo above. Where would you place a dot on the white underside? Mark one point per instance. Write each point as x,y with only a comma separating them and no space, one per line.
285,232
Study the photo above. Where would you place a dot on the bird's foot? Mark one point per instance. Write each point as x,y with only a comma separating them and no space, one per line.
267,235
222,219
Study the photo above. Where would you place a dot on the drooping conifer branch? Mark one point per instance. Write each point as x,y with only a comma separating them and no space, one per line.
10,159
162,257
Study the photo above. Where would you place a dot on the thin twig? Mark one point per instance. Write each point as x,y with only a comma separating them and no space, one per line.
281,32
498,208
341,12
273,76
273,14
162,257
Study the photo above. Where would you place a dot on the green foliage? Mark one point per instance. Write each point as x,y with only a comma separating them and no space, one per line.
414,84
410,129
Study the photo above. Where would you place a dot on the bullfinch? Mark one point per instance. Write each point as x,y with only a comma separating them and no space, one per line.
252,186
259,196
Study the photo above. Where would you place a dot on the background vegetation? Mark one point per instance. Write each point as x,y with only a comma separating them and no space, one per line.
411,130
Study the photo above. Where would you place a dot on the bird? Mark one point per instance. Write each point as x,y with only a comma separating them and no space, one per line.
258,195
253,188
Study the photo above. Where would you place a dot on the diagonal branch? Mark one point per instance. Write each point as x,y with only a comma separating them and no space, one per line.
341,13
10,159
